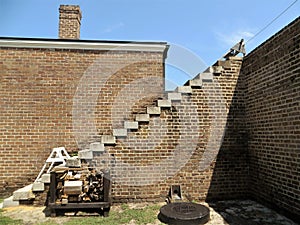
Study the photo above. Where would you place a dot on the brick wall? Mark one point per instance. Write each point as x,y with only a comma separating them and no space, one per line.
273,119
37,92
171,147
70,98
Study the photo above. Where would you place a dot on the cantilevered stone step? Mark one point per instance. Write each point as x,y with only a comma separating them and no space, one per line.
120,132
97,147
153,110
9,202
108,139
174,96
195,83
184,89
206,77
38,186
24,193
85,154
131,125
142,117
164,103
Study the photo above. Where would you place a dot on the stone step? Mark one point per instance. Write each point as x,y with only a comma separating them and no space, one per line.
131,125
195,83
153,110
74,162
120,132
164,103
24,193
184,89
206,77
142,117
209,69
97,147
9,202
45,178
174,96
38,186
85,154
108,139
216,70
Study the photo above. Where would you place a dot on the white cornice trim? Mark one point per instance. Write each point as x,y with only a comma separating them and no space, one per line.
111,46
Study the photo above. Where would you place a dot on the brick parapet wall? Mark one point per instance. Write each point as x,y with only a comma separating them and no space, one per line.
272,105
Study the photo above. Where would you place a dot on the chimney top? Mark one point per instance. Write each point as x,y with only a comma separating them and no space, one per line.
69,21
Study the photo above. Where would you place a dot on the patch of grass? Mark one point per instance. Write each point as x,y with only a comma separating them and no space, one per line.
140,216
8,221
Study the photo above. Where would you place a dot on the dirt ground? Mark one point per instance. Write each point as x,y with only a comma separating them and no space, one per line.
221,213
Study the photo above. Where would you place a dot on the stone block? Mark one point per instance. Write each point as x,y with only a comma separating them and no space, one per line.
142,117
206,77
73,162
24,193
164,103
85,154
131,125
9,202
195,83
38,186
120,132
153,110
97,147
184,89
108,139
174,96
45,178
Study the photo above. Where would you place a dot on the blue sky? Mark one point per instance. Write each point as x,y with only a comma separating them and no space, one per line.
206,28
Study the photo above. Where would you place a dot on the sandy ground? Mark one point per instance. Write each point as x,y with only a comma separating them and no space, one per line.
235,212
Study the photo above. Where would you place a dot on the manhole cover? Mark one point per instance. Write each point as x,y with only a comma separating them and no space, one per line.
184,213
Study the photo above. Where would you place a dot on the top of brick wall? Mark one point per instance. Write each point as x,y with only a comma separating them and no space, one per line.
294,23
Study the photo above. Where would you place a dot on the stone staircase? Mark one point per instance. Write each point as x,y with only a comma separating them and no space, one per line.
29,192
175,96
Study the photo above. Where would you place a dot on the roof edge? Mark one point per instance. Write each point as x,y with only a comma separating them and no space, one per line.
14,42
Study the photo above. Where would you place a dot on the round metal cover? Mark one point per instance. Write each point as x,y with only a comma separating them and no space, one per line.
184,213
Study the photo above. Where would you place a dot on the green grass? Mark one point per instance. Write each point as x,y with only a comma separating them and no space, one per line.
8,221
142,216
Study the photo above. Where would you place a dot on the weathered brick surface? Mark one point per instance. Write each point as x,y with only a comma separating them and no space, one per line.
146,171
272,78
52,98
37,92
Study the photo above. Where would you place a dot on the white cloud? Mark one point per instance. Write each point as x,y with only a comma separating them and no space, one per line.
229,39
113,27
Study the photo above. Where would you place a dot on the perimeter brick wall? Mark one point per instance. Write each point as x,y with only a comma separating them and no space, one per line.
272,100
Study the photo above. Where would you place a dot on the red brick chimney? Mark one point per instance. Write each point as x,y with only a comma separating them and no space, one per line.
69,21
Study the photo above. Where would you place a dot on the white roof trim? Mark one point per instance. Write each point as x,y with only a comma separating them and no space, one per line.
134,46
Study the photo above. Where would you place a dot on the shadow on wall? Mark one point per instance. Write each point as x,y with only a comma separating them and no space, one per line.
231,169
